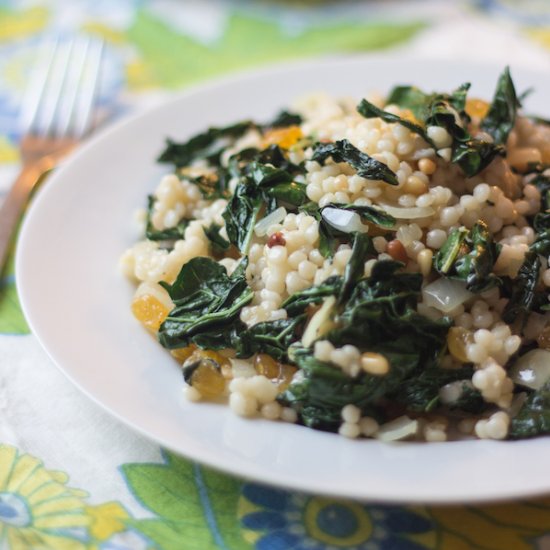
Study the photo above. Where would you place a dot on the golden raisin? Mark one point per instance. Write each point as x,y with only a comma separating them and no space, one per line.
283,137
458,339
278,372
149,311
182,354
206,372
477,108
207,379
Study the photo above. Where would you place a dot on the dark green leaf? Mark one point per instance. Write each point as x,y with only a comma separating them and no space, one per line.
368,110
362,248
524,290
293,194
298,302
271,337
409,97
534,417
218,243
501,117
207,145
284,119
366,166
323,389
206,300
421,392
469,256
241,215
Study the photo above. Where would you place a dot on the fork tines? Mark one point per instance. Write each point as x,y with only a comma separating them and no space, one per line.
61,92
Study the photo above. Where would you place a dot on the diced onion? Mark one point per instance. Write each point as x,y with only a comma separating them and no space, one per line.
412,213
277,216
320,323
445,294
532,370
344,220
397,429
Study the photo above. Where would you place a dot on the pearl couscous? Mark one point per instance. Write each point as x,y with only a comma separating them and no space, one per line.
378,270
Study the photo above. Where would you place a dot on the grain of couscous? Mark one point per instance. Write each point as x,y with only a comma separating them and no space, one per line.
377,270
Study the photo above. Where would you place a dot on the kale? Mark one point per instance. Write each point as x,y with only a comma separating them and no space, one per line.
469,255
266,179
534,416
446,111
381,314
169,234
298,302
472,155
542,243
368,110
376,314
361,250
218,244
411,98
524,295
207,303
284,119
366,166
212,185
241,215
322,390
271,337
421,393
501,117
330,237
208,145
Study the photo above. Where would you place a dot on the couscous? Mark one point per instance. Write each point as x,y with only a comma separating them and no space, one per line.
377,269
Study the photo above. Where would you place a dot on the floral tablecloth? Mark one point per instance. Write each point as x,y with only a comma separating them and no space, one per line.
72,477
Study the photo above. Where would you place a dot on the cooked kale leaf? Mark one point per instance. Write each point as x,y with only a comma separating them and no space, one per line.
524,294
271,337
421,393
469,255
284,119
361,250
534,416
218,243
208,145
501,117
446,111
366,166
298,302
378,316
368,110
266,179
322,390
207,302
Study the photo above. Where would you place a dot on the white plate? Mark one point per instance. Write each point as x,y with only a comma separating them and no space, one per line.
78,304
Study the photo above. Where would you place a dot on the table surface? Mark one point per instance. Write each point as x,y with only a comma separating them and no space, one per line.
71,476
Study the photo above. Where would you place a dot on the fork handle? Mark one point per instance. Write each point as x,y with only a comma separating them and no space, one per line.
13,205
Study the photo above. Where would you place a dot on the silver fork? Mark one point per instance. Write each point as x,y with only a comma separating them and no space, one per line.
56,114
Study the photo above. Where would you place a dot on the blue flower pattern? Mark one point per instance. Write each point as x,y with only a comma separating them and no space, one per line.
299,522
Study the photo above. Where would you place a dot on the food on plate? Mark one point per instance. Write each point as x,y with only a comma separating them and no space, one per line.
375,268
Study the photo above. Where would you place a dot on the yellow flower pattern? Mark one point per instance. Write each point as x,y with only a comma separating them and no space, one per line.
39,511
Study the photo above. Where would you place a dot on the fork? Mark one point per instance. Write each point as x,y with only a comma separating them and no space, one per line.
56,113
